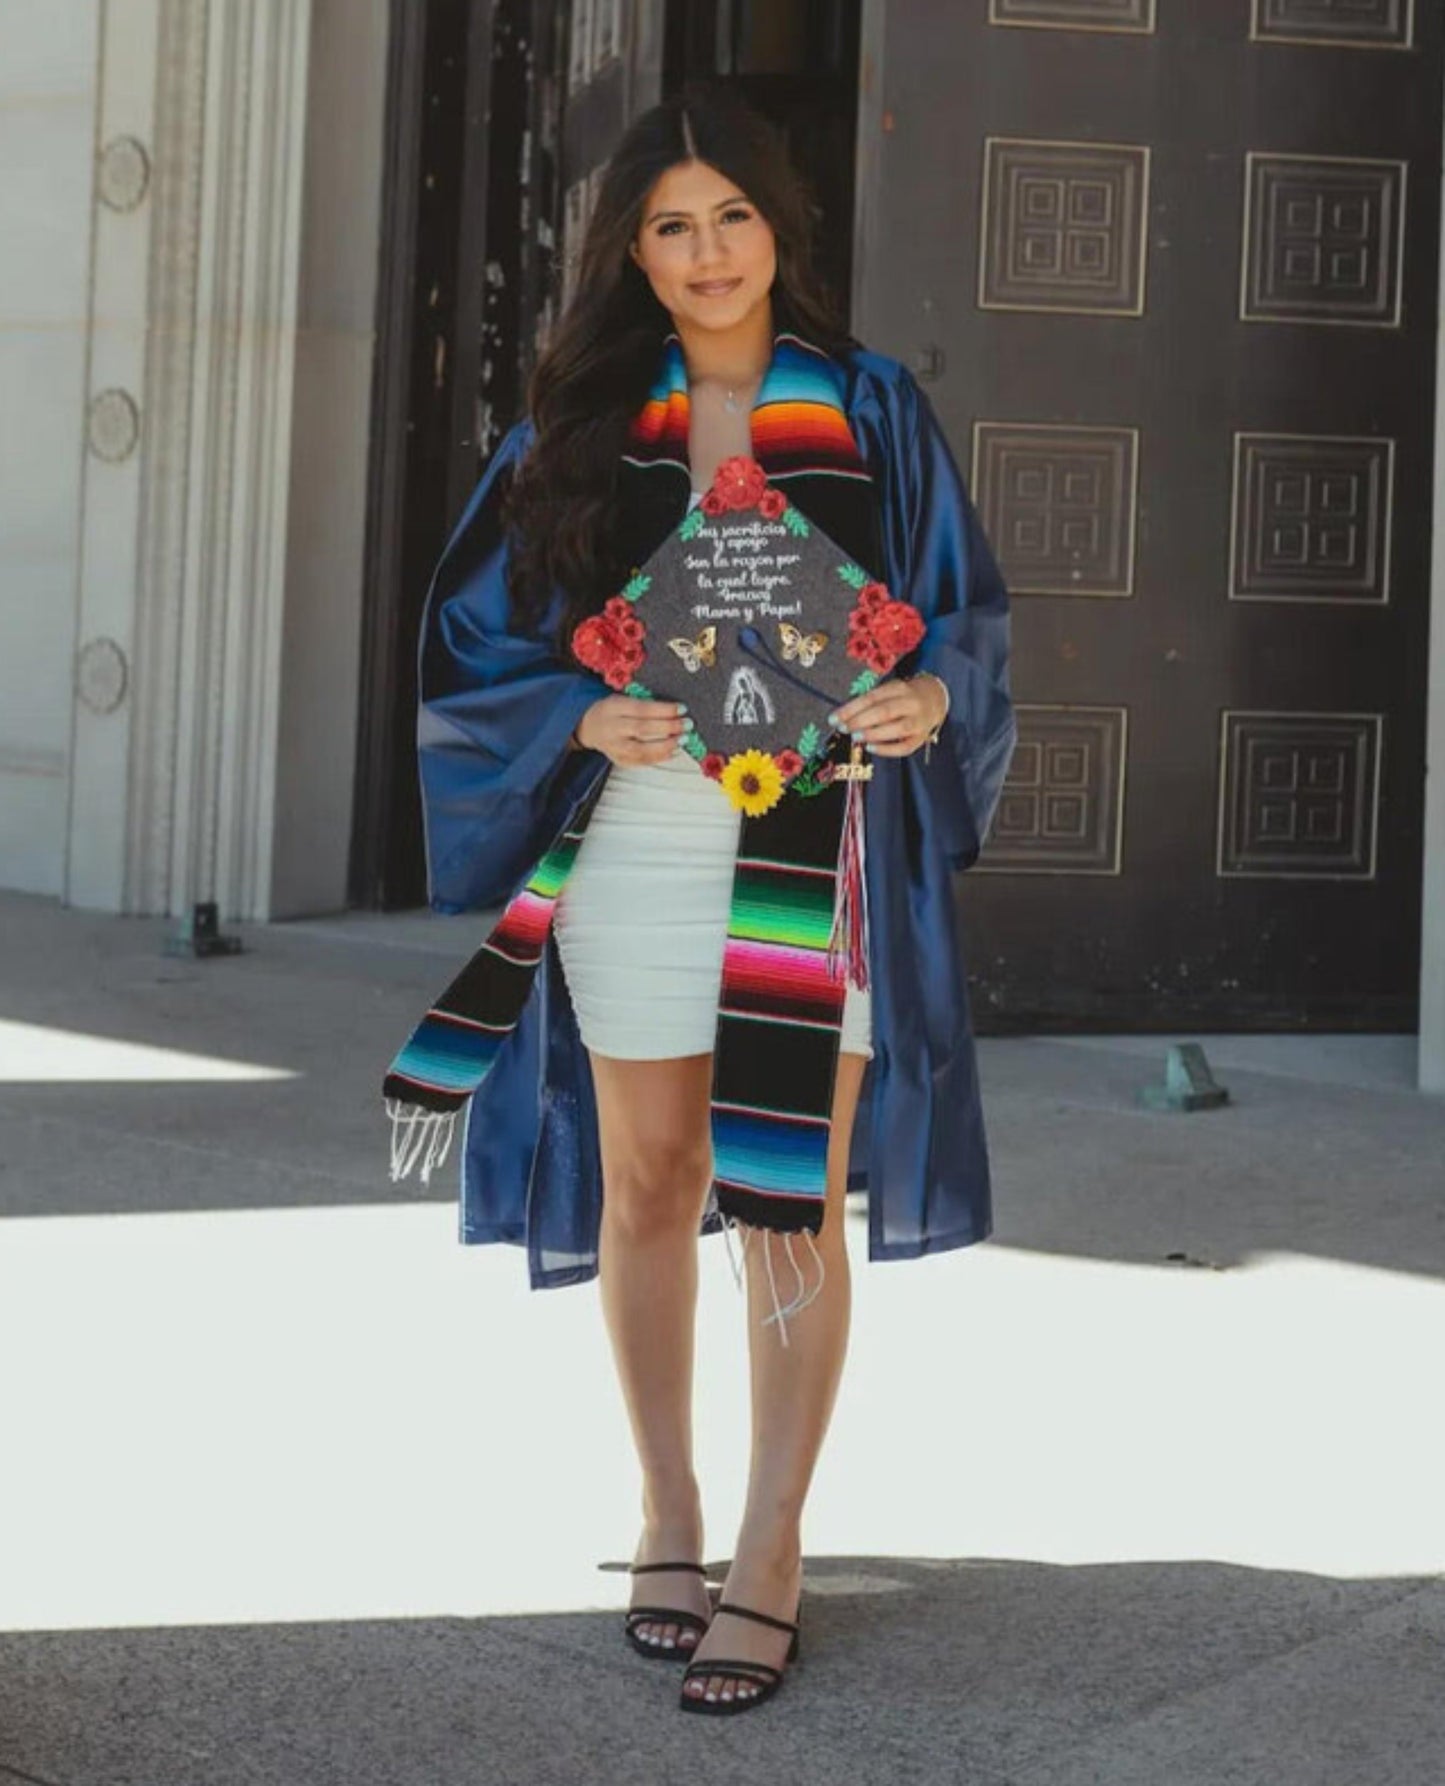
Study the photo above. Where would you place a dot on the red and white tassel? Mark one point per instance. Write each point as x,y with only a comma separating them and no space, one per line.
848,943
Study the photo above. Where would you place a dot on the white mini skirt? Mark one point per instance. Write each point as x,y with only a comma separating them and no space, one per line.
642,920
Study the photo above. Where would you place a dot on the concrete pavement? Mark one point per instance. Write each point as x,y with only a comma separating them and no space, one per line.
293,1488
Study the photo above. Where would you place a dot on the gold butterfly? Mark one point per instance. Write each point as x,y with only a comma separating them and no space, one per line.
699,652
806,647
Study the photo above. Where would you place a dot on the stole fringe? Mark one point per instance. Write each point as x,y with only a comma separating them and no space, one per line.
420,1138
782,1312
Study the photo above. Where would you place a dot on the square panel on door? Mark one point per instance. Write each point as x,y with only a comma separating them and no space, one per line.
1061,810
1058,505
1358,24
1299,795
1312,518
1323,237
1074,15
1063,226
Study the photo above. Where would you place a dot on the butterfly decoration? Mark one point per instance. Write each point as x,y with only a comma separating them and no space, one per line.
699,653
805,647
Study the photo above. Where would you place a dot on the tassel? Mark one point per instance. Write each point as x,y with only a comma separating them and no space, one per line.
848,943
419,1137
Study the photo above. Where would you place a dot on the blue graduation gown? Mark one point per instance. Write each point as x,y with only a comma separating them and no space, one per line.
498,784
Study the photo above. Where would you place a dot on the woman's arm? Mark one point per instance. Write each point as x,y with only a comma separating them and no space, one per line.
497,708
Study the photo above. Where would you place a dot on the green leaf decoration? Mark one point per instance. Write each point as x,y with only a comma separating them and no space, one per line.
636,585
809,739
694,745
796,522
806,783
863,682
853,575
638,692
691,525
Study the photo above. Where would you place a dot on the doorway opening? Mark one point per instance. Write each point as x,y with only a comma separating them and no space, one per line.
498,118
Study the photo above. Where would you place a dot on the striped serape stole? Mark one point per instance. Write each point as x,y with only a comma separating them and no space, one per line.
451,1050
779,1019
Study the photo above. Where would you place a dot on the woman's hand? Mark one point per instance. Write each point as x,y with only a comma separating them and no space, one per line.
895,718
630,731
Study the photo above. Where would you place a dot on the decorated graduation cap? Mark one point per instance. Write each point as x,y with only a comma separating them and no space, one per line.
763,625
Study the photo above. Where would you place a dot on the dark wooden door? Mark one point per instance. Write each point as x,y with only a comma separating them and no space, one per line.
1170,275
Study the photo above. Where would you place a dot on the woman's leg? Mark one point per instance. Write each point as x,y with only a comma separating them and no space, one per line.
793,1391
653,1123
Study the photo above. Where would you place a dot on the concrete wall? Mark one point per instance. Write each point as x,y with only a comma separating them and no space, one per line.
47,132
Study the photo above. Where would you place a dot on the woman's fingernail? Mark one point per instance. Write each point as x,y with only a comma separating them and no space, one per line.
832,719
682,706
688,725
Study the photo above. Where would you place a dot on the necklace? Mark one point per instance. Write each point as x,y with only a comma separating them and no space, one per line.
730,392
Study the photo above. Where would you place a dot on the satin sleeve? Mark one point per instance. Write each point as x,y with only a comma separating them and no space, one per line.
497,708
954,581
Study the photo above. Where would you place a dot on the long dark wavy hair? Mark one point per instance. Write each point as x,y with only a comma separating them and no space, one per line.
598,367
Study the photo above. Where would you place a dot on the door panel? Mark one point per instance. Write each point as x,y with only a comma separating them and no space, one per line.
1169,274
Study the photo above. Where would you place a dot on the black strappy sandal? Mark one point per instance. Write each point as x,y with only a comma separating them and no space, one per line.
651,1647
761,1675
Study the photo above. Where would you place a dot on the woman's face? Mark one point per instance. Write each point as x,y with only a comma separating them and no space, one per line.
708,252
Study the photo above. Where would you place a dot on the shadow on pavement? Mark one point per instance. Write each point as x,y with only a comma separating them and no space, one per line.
1317,1166
1170,1674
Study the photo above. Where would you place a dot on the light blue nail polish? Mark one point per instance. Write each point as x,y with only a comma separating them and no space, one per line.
832,719
682,706
689,725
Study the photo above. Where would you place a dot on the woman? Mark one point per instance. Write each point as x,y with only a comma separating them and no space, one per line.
699,333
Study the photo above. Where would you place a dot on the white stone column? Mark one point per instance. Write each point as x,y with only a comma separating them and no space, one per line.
223,512
48,61
146,203
183,524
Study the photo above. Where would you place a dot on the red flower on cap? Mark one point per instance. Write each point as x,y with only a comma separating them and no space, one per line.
771,504
789,763
623,616
713,765
881,630
739,483
897,626
611,643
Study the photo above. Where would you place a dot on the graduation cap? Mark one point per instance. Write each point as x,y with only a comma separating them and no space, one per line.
762,624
